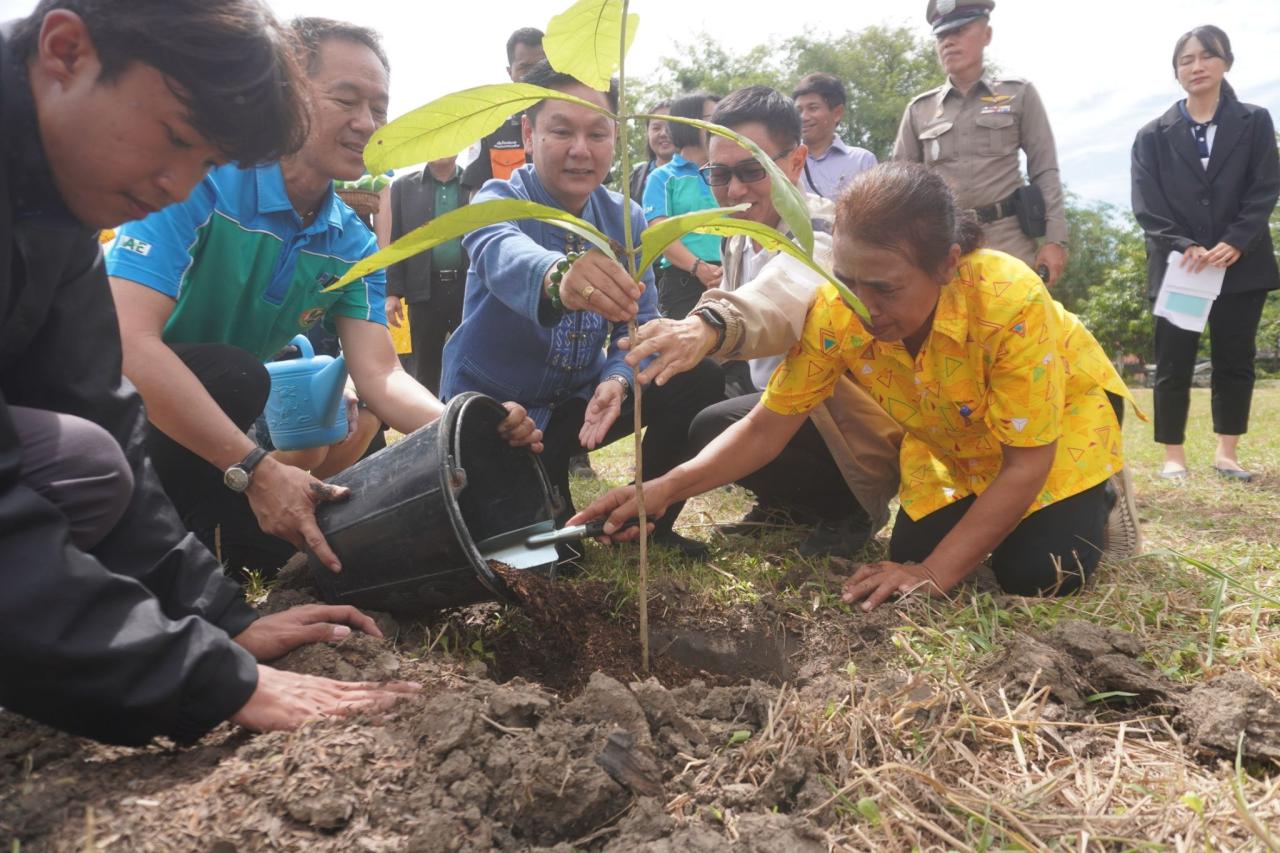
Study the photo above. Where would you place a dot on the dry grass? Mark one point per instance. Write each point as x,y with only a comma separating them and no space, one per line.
941,764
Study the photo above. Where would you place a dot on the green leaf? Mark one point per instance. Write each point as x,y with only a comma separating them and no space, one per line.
448,125
656,238
740,736
455,223
869,810
787,197
775,241
585,41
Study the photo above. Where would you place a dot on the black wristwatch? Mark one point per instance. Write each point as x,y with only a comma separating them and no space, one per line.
709,316
238,477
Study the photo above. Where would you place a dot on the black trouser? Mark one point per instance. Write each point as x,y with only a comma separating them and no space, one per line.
1233,329
239,384
1068,534
667,411
678,292
430,324
803,480
78,467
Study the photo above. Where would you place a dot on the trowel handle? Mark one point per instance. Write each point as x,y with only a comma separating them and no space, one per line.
572,534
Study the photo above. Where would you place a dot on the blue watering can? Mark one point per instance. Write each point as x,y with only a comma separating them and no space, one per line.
305,408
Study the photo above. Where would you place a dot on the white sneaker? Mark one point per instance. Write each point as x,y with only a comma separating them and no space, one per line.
1124,535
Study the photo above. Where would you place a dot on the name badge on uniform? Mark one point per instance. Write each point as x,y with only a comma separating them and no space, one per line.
929,139
995,109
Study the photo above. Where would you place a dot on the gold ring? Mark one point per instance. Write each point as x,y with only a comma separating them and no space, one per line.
587,293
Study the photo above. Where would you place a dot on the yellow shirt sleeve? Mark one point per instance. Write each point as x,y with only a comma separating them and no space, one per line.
810,372
1027,383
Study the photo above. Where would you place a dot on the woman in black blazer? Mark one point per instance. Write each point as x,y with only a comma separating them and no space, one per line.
1205,180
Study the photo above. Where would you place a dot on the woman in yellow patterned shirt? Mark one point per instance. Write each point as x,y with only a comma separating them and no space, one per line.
1008,404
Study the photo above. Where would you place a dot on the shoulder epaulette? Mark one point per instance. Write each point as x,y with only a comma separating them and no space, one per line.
929,94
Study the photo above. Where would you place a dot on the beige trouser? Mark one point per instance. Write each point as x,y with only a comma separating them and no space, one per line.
1005,236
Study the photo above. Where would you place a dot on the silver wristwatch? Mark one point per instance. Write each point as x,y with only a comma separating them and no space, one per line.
238,477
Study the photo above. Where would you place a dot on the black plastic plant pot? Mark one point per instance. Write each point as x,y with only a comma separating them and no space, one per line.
407,535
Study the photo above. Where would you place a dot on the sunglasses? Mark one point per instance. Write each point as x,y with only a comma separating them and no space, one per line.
748,171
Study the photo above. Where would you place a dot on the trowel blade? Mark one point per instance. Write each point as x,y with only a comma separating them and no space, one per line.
513,549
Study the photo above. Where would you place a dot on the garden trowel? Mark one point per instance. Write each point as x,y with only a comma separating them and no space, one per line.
535,545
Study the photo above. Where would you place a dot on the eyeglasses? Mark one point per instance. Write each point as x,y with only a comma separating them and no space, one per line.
748,171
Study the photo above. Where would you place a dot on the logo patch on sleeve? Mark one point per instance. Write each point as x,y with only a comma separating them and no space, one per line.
133,244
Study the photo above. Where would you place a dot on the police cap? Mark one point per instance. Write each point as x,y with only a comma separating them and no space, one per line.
947,15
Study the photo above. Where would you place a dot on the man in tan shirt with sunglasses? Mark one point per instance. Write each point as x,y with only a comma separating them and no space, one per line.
840,471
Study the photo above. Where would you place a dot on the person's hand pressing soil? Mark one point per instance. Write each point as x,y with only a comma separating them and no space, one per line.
276,635
283,701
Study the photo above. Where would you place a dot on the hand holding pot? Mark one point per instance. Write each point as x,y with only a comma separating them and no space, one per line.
519,429
284,500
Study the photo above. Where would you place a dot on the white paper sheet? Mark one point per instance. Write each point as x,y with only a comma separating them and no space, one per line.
1186,298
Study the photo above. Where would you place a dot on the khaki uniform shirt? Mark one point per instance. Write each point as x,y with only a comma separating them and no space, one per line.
973,140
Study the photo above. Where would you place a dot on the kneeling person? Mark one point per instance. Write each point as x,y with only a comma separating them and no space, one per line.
516,340
115,623
840,470
209,289
1011,435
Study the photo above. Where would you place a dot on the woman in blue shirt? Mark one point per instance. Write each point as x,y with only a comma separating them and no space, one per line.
692,264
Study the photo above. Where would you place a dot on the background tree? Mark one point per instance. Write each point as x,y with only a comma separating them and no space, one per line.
1099,235
882,69
1115,308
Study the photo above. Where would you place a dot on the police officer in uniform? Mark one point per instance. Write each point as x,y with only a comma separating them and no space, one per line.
970,129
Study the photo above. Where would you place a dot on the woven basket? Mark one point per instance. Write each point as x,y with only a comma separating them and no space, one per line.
363,202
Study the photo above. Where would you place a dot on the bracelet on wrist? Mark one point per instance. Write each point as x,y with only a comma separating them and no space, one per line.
697,262
557,275
621,380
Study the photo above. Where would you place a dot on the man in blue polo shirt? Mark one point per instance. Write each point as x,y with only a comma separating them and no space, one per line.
208,289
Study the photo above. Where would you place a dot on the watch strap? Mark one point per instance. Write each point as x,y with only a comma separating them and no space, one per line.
713,319
249,462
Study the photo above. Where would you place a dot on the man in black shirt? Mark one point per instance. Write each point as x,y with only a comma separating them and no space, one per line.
115,623
502,152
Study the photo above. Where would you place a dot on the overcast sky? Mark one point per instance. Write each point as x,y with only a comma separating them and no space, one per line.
1103,69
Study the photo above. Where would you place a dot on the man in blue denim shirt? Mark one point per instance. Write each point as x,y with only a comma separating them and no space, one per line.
565,366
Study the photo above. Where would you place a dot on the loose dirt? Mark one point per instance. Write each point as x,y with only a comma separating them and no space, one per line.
547,739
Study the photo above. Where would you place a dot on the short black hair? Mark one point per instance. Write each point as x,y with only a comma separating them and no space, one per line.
531,36
688,106
826,86
547,77
663,104
229,63
768,106
1214,41
313,32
